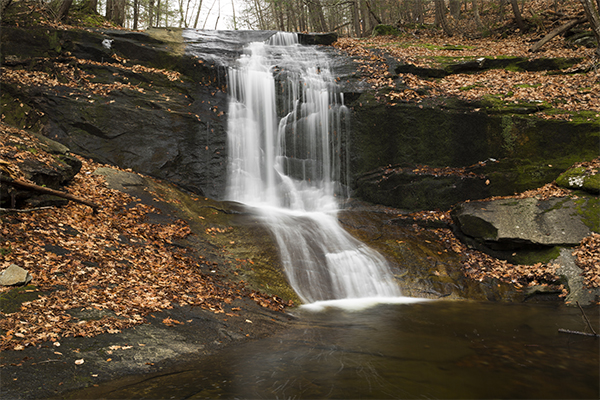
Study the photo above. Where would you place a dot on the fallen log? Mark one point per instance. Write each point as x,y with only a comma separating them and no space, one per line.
561,29
41,189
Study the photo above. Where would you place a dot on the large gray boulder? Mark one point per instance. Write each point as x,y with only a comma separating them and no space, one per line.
514,223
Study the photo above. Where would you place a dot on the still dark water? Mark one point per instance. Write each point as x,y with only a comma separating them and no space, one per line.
431,350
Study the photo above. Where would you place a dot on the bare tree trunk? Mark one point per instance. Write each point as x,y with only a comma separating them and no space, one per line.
476,14
317,17
187,12
418,12
278,14
440,13
372,13
198,15
150,13
64,9
356,18
180,10
302,24
518,18
290,15
367,26
89,6
115,11
455,8
158,12
43,189
233,11
136,14
259,15
561,29
591,11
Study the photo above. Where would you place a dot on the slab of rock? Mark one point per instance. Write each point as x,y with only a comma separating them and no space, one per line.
119,180
552,222
568,269
14,275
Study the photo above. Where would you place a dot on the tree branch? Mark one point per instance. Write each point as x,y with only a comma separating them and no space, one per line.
556,32
41,189
586,319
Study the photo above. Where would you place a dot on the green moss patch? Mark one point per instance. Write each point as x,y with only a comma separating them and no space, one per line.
580,178
11,301
385,30
589,209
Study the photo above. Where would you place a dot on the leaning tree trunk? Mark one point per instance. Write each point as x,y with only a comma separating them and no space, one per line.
594,18
555,32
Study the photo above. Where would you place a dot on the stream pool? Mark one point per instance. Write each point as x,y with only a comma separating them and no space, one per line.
428,350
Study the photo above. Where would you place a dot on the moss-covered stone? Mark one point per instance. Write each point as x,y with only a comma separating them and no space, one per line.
385,30
589,210
580,178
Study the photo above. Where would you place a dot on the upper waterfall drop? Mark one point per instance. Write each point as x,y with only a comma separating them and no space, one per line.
287,132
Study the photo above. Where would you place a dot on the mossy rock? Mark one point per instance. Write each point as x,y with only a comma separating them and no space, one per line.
580,178
385,30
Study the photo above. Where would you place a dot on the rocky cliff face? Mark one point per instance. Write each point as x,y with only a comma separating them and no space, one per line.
129,99
428,156
156,102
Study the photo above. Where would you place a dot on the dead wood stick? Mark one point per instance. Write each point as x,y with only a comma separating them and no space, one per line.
586,318
41,189
556,32
578,333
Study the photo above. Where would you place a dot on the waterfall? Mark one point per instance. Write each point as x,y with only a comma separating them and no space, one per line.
286,130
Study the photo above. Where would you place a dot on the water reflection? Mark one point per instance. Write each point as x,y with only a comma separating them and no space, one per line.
423,350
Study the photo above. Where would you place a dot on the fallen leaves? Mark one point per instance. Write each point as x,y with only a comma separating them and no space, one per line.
573,90
113,263
587,256
171,322
68,73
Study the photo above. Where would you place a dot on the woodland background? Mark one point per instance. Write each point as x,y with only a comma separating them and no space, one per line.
353,18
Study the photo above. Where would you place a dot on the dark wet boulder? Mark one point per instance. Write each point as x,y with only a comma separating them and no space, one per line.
416,188
324,39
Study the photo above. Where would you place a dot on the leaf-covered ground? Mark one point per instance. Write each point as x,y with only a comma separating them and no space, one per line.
562,94
112,261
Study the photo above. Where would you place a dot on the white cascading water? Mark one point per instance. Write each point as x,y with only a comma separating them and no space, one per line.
286,128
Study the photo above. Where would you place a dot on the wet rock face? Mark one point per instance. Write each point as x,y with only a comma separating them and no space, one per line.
170,128
406,189
508,153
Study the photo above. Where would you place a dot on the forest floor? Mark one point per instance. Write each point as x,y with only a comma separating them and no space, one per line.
562,93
